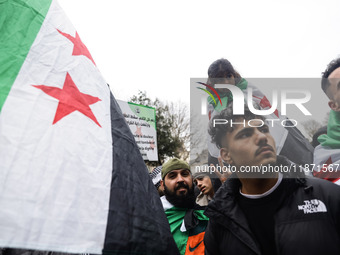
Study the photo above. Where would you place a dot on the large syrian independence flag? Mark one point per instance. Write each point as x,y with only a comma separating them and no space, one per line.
72,179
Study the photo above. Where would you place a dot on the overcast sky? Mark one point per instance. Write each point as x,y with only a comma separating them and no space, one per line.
157,46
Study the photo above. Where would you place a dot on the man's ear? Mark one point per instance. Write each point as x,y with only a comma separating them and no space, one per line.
225,155
162,184
334,106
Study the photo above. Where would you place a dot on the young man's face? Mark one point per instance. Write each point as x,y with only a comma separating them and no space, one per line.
204,184
249,146
333,91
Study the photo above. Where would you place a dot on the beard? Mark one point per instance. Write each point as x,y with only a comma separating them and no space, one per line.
186,200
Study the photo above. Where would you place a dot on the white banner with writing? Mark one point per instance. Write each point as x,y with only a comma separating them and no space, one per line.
142,122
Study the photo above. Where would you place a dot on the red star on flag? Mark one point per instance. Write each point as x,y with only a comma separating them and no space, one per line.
70,100
264,103
79,48
325,173
139,131
328,162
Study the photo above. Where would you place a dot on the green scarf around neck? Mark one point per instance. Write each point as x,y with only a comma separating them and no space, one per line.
332,138
175,217
226,97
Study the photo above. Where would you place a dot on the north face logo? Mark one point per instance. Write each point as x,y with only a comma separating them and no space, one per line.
313,206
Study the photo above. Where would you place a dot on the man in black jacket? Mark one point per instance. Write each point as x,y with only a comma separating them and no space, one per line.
267,206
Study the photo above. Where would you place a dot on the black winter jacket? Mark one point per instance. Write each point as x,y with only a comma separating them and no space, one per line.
308,221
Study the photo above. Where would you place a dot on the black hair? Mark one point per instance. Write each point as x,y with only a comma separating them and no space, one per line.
218,132
221,69
334,64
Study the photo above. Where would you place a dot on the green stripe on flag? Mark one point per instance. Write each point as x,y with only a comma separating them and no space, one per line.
20,22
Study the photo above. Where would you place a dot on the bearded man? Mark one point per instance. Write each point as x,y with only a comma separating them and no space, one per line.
186,219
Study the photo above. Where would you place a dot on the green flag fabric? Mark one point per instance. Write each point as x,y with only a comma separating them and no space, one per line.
19,26
226,97
332,138
176,217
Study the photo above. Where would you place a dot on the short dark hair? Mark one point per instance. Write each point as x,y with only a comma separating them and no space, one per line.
218,132
334,64
221,69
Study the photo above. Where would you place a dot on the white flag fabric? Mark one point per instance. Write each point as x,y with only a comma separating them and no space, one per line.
327,163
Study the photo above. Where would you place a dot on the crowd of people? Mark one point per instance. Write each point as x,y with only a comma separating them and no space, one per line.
264,212
267,212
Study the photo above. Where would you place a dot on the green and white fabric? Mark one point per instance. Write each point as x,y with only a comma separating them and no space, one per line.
327,154
177,224
34,149
72,179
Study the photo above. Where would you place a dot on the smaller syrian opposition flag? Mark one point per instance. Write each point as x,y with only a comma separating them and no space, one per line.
327,163
327,154
72,179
